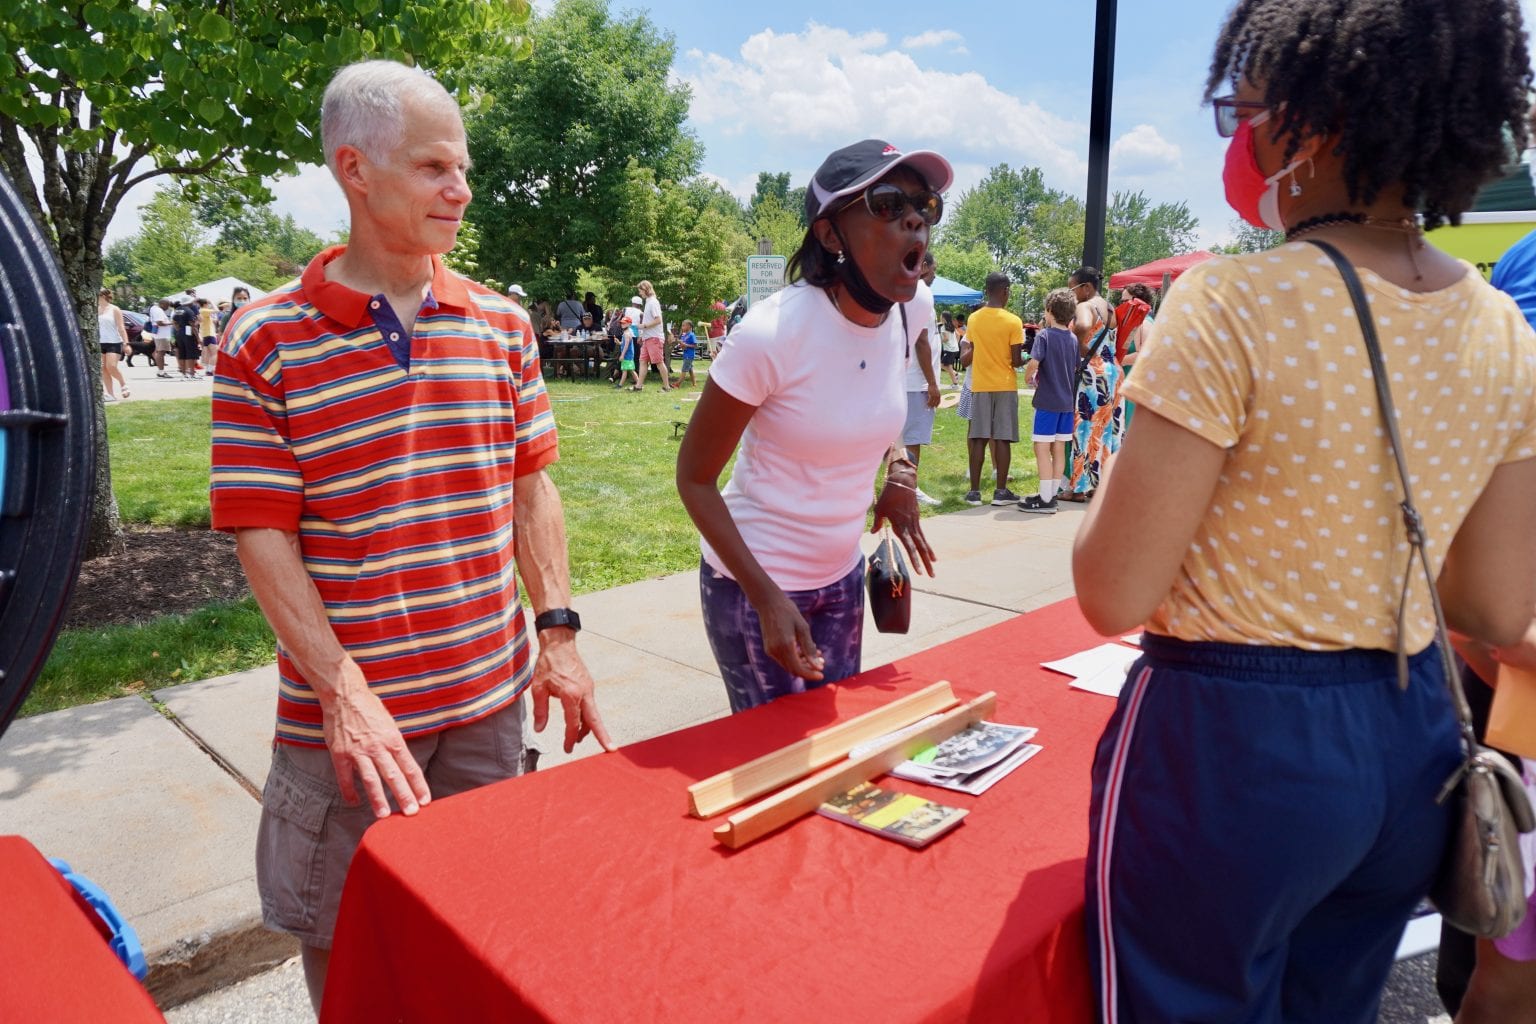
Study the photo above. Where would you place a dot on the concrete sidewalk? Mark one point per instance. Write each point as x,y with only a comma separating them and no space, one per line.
157,798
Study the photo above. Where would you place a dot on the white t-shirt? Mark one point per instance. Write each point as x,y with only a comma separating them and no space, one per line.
652,312
924,298
830,401
160,321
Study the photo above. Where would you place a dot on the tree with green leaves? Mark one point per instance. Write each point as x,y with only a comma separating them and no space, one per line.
171,250
1138,232
783,228
968,264
1247,238
274,246
692,258
999,214
774,188
105,94
552,138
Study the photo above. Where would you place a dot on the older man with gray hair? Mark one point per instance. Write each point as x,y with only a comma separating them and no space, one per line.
380,438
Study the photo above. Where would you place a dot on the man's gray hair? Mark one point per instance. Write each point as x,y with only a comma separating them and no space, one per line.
362,107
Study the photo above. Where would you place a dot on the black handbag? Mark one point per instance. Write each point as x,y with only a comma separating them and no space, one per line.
1480,887
890,586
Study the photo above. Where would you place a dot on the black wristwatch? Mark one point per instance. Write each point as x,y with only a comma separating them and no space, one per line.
557,617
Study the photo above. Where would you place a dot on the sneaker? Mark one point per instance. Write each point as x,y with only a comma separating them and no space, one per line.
164,375
973,497
927,499
1003,496
1034,504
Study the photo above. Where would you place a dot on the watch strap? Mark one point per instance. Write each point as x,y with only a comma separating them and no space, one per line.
555,617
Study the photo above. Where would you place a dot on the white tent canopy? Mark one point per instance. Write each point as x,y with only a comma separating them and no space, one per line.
220,290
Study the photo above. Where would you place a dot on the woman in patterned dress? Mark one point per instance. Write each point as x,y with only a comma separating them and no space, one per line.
1099,421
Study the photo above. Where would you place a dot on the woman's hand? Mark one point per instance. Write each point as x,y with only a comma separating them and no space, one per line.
787,636
897,505
1519,655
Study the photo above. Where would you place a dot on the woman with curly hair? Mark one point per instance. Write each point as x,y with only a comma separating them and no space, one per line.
1264,814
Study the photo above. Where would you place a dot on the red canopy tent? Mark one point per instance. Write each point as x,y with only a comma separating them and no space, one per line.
1152,273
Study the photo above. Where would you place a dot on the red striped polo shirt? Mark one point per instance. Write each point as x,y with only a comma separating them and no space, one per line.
396,472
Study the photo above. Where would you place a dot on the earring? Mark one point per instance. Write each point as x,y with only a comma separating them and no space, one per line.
1295,188
840,257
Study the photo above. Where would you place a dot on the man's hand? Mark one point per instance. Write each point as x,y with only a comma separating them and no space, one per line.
560,672
897,505
933,394
365,742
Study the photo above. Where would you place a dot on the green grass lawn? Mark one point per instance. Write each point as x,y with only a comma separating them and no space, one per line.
160,461
623,520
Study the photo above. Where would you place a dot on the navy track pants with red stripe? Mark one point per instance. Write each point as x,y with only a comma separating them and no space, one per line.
1263,824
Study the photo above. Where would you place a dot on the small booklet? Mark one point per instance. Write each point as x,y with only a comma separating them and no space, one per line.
971,761
975,747
907,819
977,782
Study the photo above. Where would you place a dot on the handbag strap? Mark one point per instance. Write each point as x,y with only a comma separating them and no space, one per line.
1411,518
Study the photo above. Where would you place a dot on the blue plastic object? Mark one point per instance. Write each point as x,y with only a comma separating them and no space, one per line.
125,941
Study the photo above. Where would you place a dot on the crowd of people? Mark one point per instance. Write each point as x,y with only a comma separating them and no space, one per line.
1264,816
622,344
184,327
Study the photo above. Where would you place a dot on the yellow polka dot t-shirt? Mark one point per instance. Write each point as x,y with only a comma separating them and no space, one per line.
1303,544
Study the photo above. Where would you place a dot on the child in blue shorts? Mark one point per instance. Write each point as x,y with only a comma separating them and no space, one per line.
690,345
1052,366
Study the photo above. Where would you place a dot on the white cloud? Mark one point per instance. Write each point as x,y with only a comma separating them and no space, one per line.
829,86
314,199
933,37
1142,152
742,188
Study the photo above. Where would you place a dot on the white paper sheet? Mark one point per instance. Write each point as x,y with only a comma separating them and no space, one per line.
1094,660
1107,681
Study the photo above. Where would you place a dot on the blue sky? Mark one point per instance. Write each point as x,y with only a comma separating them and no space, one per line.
776,86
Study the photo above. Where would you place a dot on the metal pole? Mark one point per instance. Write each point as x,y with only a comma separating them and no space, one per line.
1098,133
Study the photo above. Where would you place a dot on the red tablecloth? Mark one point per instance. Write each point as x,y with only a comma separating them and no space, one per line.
55,965
586,893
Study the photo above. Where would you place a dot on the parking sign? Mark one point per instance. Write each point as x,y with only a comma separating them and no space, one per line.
765,275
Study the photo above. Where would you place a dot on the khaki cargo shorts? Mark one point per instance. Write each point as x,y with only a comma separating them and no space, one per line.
307,835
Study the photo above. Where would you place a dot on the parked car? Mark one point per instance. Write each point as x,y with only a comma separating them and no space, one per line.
140,341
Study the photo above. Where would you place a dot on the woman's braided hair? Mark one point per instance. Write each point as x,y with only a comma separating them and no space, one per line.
1430,96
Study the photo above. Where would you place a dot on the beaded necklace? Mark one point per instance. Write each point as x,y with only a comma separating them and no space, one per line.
1410,228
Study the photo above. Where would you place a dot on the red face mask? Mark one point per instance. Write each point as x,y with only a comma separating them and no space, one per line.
1255,197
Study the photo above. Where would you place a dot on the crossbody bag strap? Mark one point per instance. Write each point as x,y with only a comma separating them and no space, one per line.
1411,518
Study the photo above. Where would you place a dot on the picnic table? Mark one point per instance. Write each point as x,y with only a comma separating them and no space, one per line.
574,356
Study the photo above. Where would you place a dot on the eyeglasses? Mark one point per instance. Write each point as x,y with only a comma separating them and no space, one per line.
1232,112
889,202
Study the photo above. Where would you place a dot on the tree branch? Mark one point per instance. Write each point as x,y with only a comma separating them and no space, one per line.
187,169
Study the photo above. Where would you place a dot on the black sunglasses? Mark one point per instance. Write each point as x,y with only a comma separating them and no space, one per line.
888,202
1232,112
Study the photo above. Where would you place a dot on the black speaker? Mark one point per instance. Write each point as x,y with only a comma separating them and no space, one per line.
47,459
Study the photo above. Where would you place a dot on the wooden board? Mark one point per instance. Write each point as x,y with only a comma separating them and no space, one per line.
765,774
802,798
